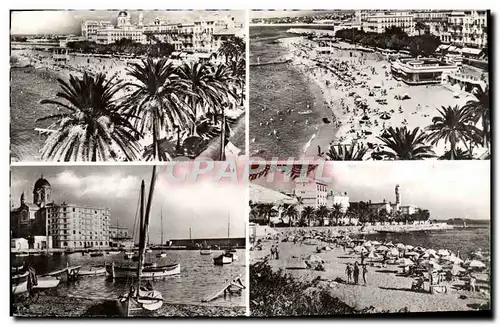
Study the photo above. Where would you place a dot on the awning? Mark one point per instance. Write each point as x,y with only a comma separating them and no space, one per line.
442,47
471,51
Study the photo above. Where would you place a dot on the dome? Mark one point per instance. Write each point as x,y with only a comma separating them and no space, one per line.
123,14
42,183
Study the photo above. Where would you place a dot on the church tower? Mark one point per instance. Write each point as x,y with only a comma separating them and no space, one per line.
41,192
123,19
141,19
22,199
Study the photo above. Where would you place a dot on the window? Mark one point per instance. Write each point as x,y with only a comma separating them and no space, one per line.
74,232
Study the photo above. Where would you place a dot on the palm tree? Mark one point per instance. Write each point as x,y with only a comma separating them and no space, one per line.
267,209
232,48
322,212
451,126
308,214
458,154
337,211
157,101
300,204
93,128
238,71
405,144
292,213
479,108
420,26
353,152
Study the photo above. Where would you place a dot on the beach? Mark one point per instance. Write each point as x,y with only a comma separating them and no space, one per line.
316,98
386,289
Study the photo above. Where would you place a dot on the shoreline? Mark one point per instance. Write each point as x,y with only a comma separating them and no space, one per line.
55,306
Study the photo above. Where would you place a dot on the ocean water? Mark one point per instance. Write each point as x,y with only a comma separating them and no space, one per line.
199,277
279,88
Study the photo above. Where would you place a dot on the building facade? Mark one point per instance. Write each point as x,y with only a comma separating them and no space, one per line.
313,193
341,199
466,29
46,224
379,22
421,71
203,35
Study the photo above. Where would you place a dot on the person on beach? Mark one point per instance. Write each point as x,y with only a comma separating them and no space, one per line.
356,272
277,252
348,271
365,271
272,252
362,257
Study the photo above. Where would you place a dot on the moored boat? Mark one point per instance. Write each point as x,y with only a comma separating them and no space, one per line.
223,259
149,272
42,283
128,255
97,254
161,255
92,271
205,251
65,274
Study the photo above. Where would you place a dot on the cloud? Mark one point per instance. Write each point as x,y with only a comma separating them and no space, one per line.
116,184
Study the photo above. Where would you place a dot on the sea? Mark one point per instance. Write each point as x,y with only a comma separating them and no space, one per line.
278,88
465,240
199,277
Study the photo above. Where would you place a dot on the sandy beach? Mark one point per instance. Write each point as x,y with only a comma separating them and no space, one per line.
372,81
386,290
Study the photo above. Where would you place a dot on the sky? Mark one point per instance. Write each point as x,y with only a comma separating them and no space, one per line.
448,189
205,205
69,21
284,13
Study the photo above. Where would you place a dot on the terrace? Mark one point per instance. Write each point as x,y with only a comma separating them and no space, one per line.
419,71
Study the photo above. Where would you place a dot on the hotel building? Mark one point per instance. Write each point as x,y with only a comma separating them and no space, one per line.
204,35
60,225
421,71
313,193
466,29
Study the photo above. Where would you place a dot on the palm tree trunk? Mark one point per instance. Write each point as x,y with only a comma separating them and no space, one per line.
452,150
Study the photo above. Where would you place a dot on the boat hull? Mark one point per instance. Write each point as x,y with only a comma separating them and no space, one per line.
149,273
43,283
205,252
143,305
223,260
93,271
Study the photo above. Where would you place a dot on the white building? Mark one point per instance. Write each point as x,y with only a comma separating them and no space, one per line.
466,29
18,244
90,27
341,199
313,193
379,22
408,209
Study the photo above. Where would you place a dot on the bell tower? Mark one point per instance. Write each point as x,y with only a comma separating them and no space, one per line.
41,192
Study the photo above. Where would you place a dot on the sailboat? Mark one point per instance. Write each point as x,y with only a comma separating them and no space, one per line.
140,300
229,255
161,254
145,271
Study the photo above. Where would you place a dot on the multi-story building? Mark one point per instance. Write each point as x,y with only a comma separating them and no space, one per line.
379,22
313,193
63,225
204,35
408,209
119,237
467,28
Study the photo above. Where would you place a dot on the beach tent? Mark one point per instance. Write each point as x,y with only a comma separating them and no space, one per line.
412,253
455,270
405,262
419,249
367,244
313,259
430,251
443,252
400,245
375,243
382,248
476,264
385,116
409,247
389,244
373,255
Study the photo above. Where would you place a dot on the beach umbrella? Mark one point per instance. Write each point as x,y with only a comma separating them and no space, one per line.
418,248
360,249
373,255
389,244
443,252
431,264
365,118
400,245
409,247
412,253
382,248
457,260
394,252
367,244
375,243
476,264
457,269
430,251
385,116
313,259
405,262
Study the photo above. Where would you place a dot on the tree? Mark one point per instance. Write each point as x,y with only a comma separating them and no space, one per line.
337,211
479,108
157,99
267,209
405,144
231,48
204,91
93,128
322,213
308,214
458,154
452,126
420,26
353,152
292,213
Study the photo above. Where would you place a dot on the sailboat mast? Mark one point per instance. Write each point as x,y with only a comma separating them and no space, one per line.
141,237
191,239
161,219
146,217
